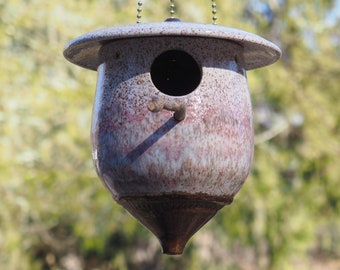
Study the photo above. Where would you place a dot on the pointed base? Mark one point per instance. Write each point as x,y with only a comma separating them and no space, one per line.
174,218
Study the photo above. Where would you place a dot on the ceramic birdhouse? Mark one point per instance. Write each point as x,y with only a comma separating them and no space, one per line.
172,128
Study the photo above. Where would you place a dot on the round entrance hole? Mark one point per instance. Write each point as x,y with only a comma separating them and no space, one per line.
175,73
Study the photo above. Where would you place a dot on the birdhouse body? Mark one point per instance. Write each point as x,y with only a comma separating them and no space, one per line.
172,132
141,153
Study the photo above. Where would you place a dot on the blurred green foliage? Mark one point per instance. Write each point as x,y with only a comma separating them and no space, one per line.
54,212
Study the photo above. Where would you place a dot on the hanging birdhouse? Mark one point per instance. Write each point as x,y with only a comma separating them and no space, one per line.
172,128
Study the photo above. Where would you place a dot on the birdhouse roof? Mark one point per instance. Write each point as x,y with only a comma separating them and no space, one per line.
257,51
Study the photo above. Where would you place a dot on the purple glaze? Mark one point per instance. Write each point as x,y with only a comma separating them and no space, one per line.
142,153
257,51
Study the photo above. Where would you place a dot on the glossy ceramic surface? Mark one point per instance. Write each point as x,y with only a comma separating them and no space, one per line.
172,174
257,51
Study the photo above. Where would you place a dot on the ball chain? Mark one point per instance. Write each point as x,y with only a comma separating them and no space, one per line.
139,11
214,11
172,8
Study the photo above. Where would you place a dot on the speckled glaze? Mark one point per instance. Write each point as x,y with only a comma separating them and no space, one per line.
172,176
138,152
84,50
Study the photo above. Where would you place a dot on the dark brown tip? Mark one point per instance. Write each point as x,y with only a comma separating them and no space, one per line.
174,246
174,218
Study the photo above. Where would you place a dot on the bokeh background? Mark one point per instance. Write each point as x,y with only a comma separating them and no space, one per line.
55,213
